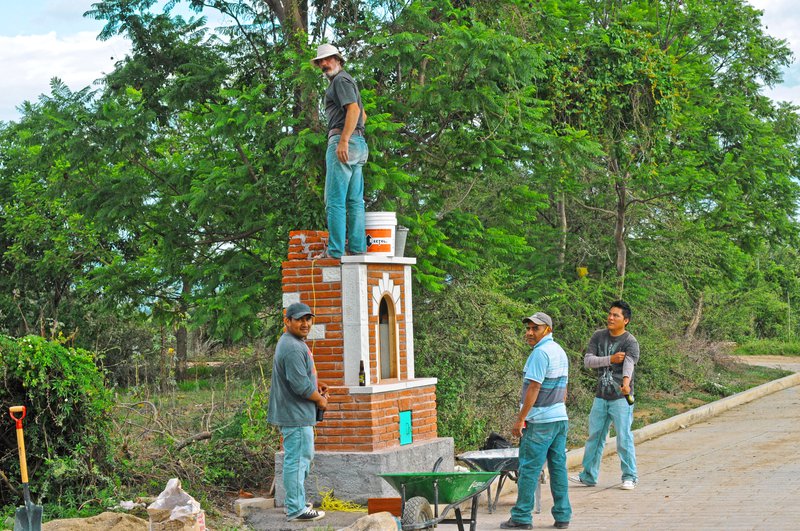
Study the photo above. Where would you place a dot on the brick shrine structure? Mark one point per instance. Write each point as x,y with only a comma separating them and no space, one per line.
364,311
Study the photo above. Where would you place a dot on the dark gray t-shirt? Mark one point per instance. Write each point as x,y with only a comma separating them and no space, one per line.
609,378
342,91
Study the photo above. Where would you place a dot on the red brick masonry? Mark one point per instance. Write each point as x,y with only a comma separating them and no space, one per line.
354,422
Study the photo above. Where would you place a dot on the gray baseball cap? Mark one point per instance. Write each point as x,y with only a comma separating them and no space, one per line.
540,318
297,310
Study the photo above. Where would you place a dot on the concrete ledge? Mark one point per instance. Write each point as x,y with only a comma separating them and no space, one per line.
353,476
391,387
693,416
244,506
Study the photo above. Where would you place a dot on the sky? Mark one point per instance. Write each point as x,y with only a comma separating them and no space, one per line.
42,39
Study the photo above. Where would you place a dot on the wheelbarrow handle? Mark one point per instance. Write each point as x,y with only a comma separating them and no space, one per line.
23,461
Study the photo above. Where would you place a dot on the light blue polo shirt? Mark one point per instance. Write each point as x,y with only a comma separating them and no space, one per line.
549,366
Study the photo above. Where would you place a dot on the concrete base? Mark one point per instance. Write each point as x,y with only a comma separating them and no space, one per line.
353,475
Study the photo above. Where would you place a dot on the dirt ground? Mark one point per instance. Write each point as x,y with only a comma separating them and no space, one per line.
102,522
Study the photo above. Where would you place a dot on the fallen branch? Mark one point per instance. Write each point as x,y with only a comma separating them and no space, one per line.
193,439
7,482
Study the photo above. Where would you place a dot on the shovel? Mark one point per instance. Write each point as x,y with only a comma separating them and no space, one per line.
29,518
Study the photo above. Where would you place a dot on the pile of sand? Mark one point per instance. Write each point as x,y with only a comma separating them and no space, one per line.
102,522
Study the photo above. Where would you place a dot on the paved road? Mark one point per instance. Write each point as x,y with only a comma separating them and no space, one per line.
737,470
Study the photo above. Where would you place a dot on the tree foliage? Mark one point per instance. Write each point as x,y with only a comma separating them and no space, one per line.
518,140
67,425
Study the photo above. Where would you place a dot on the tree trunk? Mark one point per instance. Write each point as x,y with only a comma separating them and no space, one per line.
163,369
181,335
292,14
561,208
619,235
698,314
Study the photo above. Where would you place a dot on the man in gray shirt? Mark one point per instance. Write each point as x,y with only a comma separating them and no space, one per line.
345,157
613,352
294,397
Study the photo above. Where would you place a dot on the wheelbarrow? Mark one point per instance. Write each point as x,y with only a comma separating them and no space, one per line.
506,462
421,493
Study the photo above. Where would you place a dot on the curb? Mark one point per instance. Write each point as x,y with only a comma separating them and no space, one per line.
693,416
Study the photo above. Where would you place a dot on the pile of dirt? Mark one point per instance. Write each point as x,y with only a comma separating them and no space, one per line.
102,522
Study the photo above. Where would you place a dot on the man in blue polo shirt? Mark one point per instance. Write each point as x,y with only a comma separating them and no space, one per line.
542,425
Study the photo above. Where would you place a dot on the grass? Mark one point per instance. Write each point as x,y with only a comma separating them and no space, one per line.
204,430
768,347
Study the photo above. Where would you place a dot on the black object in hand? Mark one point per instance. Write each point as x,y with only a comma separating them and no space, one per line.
630,399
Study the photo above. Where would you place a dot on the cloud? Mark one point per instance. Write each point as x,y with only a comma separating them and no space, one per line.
29,62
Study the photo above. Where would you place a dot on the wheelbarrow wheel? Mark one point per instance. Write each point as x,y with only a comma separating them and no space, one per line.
417,511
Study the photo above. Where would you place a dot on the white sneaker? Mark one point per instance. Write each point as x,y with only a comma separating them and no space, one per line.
628,484
310,515
579,481
309,505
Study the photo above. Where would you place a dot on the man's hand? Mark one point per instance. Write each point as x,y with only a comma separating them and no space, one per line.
618,357
322,403
516,431
322,387
625,386
342,150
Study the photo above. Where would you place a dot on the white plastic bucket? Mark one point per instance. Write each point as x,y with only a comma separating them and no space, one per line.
380,228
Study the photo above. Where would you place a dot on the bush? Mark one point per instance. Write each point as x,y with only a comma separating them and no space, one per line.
769,347
745,315
470,337
67,426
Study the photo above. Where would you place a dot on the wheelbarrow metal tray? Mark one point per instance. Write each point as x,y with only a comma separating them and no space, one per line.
500,459
452,486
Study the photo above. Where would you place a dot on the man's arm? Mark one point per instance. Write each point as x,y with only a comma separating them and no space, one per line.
530,398
350,122
628,366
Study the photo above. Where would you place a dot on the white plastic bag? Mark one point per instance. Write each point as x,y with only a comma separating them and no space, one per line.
175,509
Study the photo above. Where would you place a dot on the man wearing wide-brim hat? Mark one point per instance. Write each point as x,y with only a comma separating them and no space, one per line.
345,157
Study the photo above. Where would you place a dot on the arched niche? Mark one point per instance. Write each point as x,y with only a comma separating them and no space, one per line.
387,355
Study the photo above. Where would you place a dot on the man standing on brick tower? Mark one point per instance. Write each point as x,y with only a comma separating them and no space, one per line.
295,395
613,352
345,157
542,425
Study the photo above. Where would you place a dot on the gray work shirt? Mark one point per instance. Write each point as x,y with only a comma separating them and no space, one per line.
342,91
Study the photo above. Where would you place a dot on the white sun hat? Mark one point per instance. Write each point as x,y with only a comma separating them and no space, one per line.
327,50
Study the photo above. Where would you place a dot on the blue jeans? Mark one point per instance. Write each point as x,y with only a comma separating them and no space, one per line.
540,442
344,196
603,413
298,448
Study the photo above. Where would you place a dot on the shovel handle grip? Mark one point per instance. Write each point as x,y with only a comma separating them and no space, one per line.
23,461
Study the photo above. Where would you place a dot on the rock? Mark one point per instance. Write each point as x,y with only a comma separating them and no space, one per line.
375,522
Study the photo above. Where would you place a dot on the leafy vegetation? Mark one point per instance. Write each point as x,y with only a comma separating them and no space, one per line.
146,220
68,427
768,347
